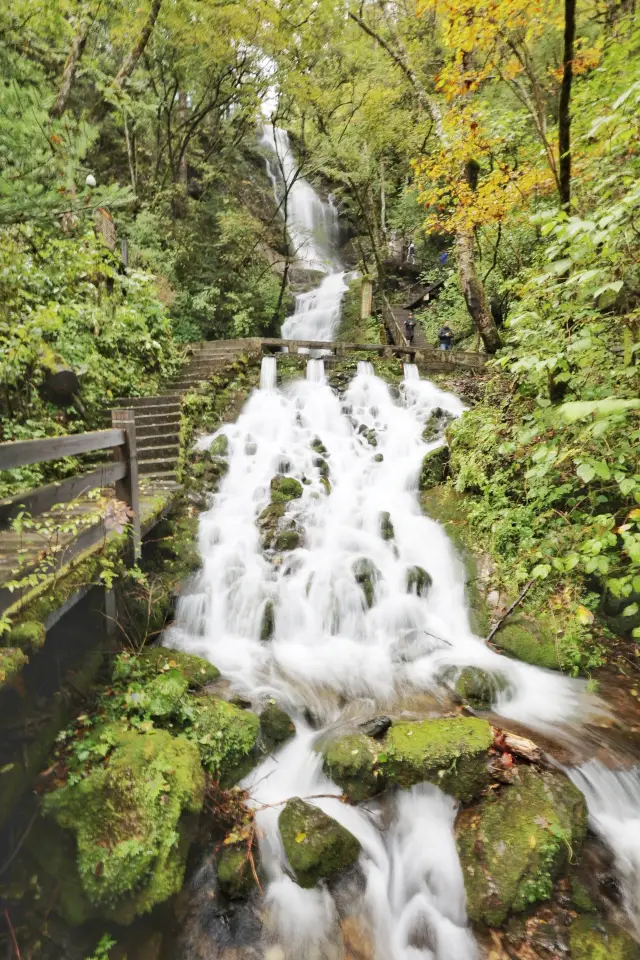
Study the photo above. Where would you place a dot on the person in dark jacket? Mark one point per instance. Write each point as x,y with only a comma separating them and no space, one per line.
445,336
410,328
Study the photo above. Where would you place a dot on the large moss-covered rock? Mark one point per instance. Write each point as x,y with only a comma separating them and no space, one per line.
515,843
367,575
590,939
276,725
435,466
316,845
131,834
529,641
235,874
352,763
225,736
12,660
284,489
198,672
452,753
219,446
418,581
28,635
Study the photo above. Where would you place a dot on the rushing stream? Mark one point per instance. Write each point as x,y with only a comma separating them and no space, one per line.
333,662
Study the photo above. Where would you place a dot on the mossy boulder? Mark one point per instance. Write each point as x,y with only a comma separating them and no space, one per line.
322,466
515,843
12,660
528,641
198,672
479,688
219,446
288,540
367,575
226,737
268,522
233,868
418,581
130,822
453,753
318,446
590,939
352,763
435,466
386,527
28,635
316,845
276,725
268,625
284,489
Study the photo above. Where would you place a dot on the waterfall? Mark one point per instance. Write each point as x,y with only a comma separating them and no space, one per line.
334,661
365,368
315,370
268,373
312,224
410,371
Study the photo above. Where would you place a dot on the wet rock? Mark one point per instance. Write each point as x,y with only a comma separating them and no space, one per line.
435,467
453,753
326,484
316,845
234,872
352,763
386,527
276,725
197,671
515,843
378,458
219,446
358,939
284,489
128,818
226,736
376,728
591,939
287,540
479,687
284,466
367,576
580,896
317,443
239,701
436,424
250,448
268,622
322,466
418,581
268,523
528,641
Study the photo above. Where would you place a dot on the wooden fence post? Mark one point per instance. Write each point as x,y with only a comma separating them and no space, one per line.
128,488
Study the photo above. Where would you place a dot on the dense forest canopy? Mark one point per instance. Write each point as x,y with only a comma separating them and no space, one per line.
504,132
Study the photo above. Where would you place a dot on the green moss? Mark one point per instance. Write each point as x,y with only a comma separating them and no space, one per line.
580,895
225,736
479,687
530,642
12,661
127,818
352,763
268,523
452,753
418,581
321,464
284,489
268,622
386,527
197,671
27,635
317,845
513,845
220,446
235,875
367,575
435,465
276,725
287,540
319,446
592,940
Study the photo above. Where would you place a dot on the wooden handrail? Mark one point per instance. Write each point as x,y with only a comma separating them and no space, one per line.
35,502
21,453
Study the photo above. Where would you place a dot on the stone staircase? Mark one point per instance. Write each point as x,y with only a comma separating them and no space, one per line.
157,418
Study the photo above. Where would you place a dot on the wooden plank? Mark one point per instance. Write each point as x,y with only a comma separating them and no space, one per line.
128,489
23,452
35,502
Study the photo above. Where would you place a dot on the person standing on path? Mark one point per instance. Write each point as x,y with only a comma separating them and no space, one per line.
409,328
411,253
445,336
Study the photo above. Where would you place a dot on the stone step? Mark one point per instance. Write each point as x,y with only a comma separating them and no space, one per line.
192,384
156,419
161,465
170,450
161,400
160,437
162,479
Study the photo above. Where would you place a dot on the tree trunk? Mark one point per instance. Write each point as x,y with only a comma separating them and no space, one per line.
70,67
564,111
131,60
474,292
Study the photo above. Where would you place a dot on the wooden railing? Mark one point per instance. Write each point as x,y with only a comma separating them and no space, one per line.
123,471
429,357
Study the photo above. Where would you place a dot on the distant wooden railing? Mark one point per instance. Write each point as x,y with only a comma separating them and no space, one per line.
429,357
123,471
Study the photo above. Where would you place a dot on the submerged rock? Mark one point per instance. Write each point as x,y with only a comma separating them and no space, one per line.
316,845
453,753
322,466
435,466
352,763
479,687
591,939
418,581
284,489
529,641
197,671
276,725
367,575
386,527
234,872
128,819
516,842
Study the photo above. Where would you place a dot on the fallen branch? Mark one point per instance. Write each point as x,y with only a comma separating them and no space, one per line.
510,611
13,934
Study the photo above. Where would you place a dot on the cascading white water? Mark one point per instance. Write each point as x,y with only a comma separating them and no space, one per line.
365,368
410,371
336,660
268,373
315,370
312,224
